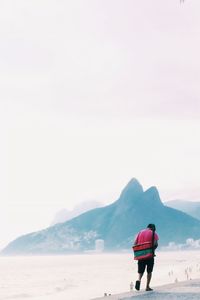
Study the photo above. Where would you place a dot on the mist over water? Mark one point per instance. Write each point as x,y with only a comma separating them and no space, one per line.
83,277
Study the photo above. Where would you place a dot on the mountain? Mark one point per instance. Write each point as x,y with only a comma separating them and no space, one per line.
116,224
64,214
189,207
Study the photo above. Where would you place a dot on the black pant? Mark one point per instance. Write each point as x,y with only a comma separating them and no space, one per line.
143,263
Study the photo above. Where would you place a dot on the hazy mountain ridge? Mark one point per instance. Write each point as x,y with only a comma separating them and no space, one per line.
65,215
116,224
190,207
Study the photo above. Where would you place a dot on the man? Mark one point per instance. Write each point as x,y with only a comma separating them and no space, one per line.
145,244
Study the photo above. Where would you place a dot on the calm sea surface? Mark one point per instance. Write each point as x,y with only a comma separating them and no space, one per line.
83,277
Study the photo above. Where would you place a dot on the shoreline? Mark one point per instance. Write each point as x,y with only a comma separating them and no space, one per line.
183,290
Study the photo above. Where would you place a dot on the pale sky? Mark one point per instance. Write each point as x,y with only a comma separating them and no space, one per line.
93,93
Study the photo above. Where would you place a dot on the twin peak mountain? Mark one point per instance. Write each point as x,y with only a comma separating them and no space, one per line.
116,224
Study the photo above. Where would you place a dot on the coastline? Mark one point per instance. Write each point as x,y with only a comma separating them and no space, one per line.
189,289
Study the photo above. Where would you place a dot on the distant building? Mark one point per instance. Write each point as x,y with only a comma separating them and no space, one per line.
99,245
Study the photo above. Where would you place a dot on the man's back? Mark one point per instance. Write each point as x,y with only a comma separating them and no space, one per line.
145,235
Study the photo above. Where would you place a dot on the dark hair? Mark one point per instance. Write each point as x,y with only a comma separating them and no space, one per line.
152,227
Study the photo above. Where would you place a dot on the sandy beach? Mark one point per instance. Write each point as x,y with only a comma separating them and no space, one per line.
189,290
84,277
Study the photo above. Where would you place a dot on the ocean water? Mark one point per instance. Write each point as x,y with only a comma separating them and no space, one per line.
83,277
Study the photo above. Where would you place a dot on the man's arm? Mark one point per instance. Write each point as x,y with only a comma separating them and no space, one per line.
156,238
155,244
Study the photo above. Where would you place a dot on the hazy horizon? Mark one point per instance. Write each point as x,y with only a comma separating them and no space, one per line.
93,94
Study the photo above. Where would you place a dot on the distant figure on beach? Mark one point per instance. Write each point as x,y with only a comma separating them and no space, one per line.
145,243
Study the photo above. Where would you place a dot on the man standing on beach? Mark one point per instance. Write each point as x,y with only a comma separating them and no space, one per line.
145,244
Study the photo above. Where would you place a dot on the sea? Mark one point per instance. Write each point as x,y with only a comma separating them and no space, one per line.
88,276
